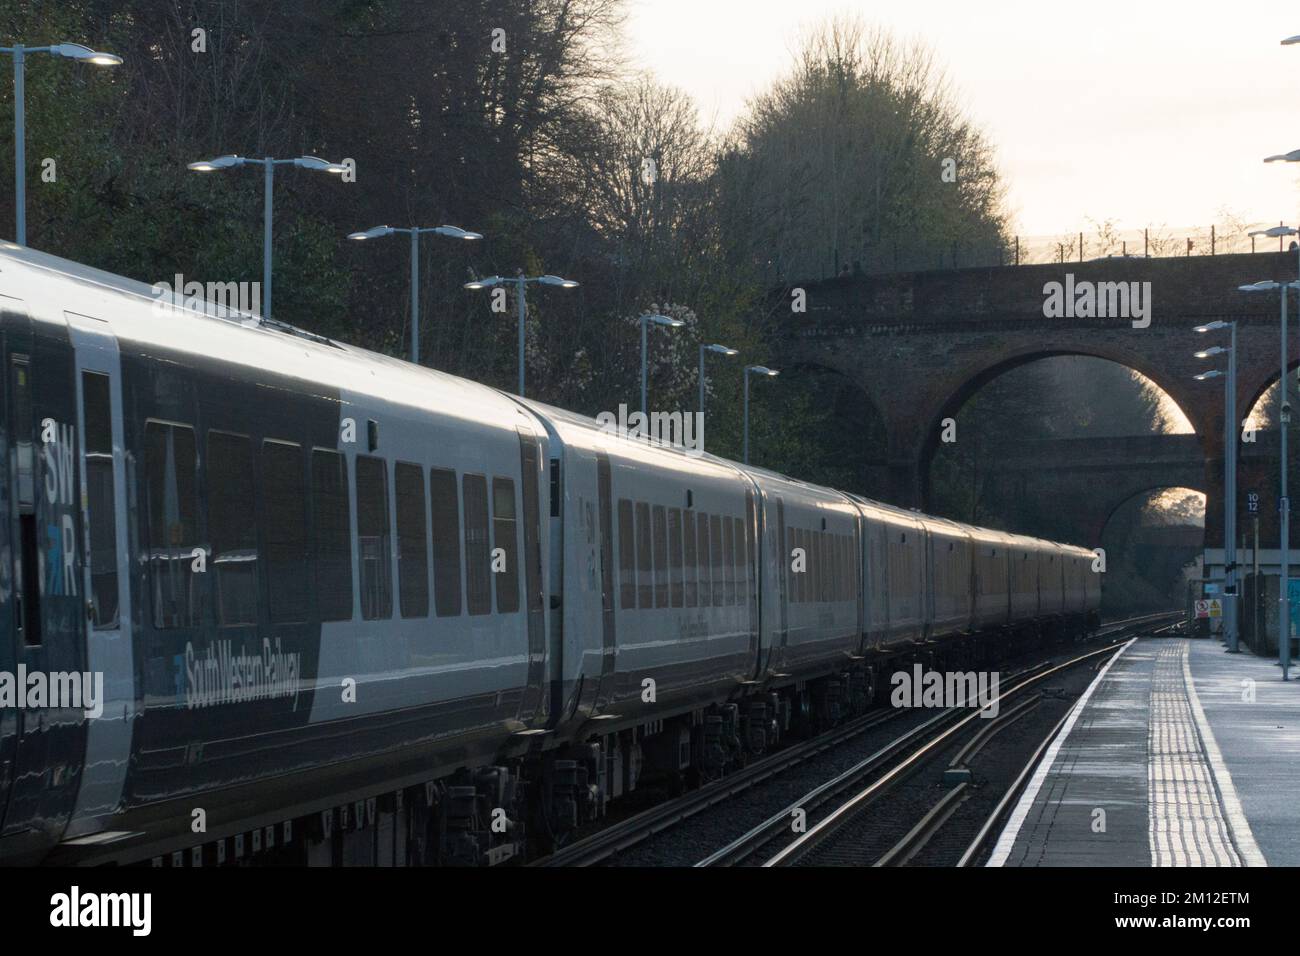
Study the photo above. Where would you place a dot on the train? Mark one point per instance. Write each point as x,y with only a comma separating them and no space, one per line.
268,596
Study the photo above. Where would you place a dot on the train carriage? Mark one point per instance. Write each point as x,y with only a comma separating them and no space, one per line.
324,586
950,557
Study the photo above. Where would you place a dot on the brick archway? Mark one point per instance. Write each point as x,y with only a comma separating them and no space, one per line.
919,343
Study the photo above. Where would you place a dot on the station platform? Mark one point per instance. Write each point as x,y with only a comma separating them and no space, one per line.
1178,754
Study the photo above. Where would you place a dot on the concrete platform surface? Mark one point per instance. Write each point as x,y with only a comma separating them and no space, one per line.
1178,754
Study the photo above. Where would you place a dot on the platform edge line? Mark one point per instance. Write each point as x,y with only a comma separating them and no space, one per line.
1007,839
1242,835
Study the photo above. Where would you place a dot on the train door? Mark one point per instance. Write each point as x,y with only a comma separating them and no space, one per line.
109,641
753,607
783,583
43,598
530,457
604,494
9,635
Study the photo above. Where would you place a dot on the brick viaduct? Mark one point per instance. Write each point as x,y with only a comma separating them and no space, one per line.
920,344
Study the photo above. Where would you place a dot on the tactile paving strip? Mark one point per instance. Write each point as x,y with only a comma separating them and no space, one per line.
1187,827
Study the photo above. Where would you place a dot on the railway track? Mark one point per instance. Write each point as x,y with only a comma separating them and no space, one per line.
821,844
608,843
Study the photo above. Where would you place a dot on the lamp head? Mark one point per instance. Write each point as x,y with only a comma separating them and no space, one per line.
557,280
372,233
315,162
483,283
456,232
761,370
75,51
1291,157
721,350
221,162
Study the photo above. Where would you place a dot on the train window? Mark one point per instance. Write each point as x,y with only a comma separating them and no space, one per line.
716,557
846,566
739,563
374,550
807,579
689,559
644,549
816,566
445,514
505,537
728,562
626,556
809,564
675,556
478,568
823,566
702,537
832,565
331,508
170,491
792,536
412,543
846,590
101,502
661,556
284,519
27,606
232,527
833,569
751,522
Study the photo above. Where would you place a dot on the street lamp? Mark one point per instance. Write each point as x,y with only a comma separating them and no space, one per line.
268,163
1229,473
719,350
71,51
645,321
1274,232
454,232
753,370
521,280
1284,503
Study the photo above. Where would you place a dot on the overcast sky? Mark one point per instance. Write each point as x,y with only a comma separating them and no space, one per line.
1148,112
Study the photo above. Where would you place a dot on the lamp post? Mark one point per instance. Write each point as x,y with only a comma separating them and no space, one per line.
719,350
73,51
453,231
646,320
1284,503
1229,474
268,164
753,370
521,281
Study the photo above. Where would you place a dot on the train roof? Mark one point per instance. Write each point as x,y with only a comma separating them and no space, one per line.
195,326
401,382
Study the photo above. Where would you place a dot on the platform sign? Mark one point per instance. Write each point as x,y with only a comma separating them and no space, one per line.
1211,587
1211,607
1252,502
1293,594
